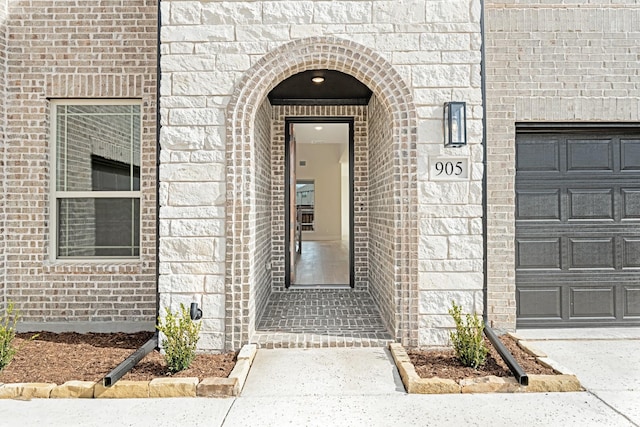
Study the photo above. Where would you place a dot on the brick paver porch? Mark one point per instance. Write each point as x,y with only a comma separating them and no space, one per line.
321,318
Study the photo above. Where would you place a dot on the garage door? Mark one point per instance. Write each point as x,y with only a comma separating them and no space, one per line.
577,227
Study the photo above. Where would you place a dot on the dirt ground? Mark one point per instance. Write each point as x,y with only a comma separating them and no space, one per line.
56,358
443,363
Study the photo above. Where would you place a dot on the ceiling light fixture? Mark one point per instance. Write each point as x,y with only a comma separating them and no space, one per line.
318,128
318,79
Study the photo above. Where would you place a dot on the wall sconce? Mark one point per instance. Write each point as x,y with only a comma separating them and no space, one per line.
455,124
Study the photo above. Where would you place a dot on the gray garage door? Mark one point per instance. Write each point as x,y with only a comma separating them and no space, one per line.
577,227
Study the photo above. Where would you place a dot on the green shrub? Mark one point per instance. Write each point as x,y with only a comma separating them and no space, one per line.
181,338
8,323
467,339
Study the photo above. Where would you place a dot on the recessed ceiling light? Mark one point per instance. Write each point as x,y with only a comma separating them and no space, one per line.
317,79
318,128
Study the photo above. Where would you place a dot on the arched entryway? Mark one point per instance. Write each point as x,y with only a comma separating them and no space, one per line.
252,232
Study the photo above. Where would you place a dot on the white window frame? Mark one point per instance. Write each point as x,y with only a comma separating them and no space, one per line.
56,195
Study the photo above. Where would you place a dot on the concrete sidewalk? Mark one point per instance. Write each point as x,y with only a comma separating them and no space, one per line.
606,361
361,387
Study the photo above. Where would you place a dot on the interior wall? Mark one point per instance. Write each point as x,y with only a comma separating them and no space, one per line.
322,165
381,213
261,261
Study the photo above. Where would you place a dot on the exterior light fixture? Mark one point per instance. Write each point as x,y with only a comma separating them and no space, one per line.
455,124
195,312
317,79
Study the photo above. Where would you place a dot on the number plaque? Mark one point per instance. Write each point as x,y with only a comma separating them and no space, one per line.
448,168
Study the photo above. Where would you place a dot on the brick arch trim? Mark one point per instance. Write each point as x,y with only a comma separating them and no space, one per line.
390,90
331,53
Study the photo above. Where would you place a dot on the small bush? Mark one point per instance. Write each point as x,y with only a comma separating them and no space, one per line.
8,323
181,338
467,339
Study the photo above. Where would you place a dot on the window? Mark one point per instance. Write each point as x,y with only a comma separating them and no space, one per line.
96,176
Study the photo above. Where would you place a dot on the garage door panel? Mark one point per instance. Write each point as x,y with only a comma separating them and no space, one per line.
630,154
630,203
632,301
590,204
589,155
538,156
593,302
539,302
591,253
538,253
578,228
537,205
631,251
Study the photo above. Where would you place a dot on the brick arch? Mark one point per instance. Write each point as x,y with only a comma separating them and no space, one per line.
390,91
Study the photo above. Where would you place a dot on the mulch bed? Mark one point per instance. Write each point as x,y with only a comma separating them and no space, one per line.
57,358
443,363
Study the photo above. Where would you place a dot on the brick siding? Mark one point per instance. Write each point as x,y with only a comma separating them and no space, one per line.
219,61
403,253
381,213
77,49
560,62
262,282
3,136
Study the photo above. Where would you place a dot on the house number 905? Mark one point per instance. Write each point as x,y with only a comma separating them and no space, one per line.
448,168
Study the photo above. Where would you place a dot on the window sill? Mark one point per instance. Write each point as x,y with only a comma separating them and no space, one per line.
117,266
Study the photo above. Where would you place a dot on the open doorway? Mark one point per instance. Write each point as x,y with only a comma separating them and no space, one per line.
319,202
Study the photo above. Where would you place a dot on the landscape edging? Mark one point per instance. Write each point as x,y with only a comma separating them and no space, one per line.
565,381
158,387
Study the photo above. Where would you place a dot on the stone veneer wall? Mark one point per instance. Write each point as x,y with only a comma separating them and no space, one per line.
361,189
83,50
450,247
556,62
221,58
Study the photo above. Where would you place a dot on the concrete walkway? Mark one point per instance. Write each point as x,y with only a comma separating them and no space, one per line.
361,387
606,361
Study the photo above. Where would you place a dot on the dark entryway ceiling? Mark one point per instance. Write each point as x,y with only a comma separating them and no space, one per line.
337,89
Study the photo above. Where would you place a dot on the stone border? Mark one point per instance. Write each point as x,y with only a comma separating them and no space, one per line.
565,381
158,387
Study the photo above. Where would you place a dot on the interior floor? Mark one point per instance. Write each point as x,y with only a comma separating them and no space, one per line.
323,263
321,318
